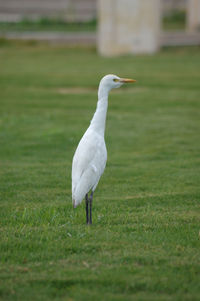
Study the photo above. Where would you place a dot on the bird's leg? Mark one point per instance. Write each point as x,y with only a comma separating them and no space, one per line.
86,207
90,200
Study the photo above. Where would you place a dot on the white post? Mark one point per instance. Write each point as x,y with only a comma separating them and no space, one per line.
193,15
128,26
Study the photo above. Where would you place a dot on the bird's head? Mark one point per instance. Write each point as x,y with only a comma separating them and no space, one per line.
112,81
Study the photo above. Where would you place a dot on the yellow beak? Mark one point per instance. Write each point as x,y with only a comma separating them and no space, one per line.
127,80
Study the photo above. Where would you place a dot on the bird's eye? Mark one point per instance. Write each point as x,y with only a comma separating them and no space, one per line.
115,80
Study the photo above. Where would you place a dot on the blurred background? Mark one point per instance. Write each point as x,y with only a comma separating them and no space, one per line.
97,21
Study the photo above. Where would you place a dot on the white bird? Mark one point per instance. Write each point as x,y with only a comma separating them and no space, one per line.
90,157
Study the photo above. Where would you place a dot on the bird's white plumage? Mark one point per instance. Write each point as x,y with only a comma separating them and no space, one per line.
89,160
88,165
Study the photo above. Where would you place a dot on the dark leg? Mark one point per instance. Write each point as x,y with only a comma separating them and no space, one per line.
90,200
86,207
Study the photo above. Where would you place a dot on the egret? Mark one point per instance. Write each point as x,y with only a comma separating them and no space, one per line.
90,157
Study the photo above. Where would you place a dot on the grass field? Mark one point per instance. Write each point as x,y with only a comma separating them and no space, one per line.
144,243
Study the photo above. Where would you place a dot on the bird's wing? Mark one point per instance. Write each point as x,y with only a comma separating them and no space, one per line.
88,162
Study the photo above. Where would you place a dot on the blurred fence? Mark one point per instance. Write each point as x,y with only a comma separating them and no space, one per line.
69,10
170,5
86,10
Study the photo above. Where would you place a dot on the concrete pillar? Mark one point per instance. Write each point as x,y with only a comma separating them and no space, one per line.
193,15
128,26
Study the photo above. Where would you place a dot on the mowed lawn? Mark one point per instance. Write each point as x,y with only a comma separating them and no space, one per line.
144,243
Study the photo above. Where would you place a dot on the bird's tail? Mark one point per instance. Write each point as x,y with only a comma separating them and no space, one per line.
78,195
74,203
80,190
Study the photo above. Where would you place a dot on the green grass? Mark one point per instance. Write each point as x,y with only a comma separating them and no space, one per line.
46,24
176,20
144,243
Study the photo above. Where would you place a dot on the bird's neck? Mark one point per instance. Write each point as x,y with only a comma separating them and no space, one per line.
98,121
